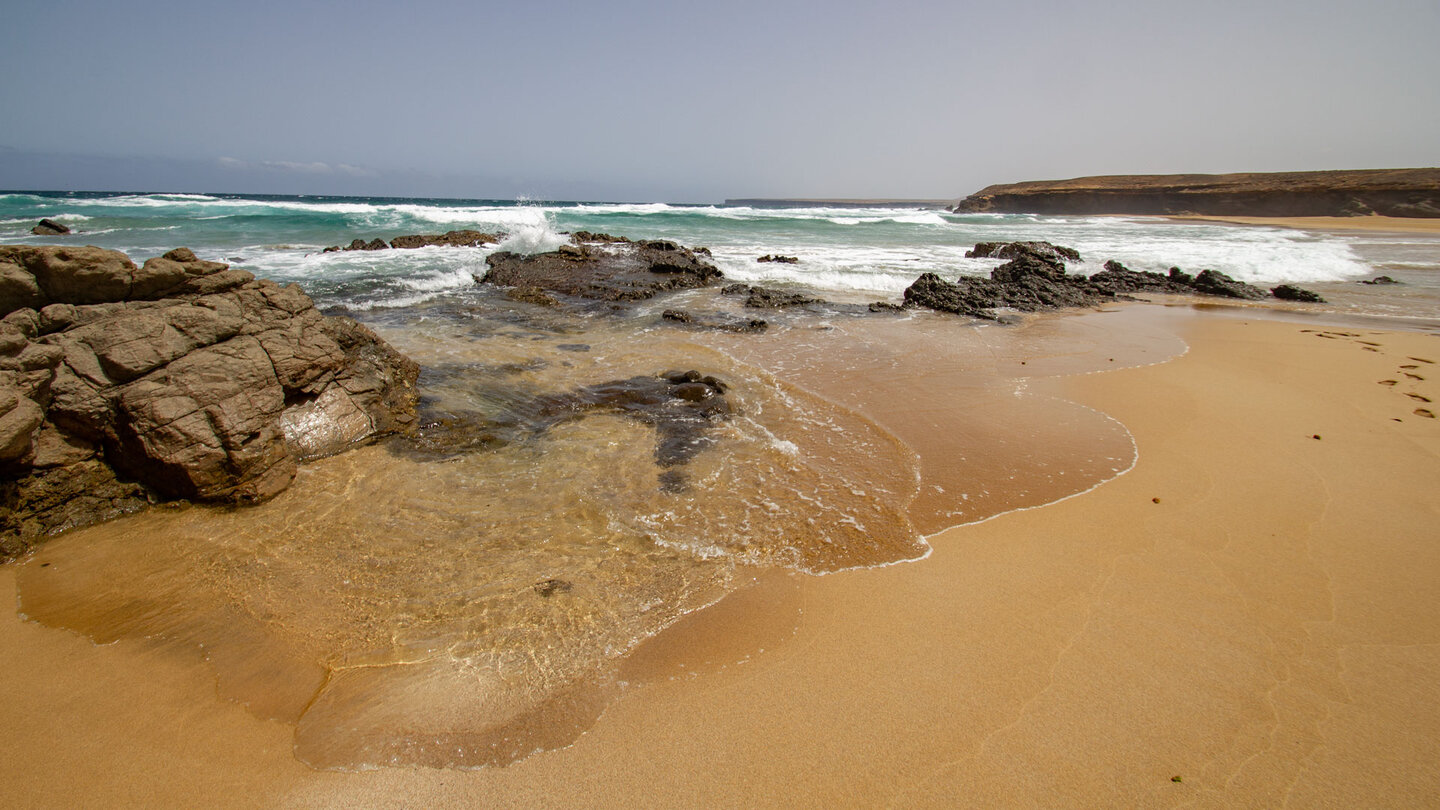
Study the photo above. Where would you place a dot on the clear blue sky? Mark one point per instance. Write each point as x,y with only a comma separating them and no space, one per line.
684,101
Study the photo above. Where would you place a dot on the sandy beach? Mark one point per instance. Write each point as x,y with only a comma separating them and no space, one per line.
1246,618
1369,223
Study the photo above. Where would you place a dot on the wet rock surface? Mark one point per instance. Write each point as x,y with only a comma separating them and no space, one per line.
769,298
1014,250
49,227
682,406
713,320
1036,280
615,271
1289,292
179,379
460,238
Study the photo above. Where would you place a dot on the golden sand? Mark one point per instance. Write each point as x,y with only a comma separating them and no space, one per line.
1251,609
1373,222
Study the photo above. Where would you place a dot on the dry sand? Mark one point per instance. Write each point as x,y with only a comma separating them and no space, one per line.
1369,223
1268,631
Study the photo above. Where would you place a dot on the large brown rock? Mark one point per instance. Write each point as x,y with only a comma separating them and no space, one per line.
193,381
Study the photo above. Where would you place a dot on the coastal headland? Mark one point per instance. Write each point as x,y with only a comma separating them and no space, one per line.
1386,192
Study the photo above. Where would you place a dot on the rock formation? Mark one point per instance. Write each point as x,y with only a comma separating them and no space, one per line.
465,238
617,271
179,379
49,227
1390,192
1035,279
767,298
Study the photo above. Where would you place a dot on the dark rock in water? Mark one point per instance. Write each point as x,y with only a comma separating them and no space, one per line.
1289,292
550,587
123,385
49,227
885,306
779,259
975,297
1119,279
1014,250
1212,282
622,271
584,237
1181,277
532,295
767,298
1380,280
714,321
465,238
574,347
359,244
1028,266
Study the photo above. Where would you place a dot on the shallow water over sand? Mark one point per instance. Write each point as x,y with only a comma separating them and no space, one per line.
467,608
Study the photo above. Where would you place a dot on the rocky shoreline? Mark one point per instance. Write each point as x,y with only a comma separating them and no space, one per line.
123,386
187,380
1387,192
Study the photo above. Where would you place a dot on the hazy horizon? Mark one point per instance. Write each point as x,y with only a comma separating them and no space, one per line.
641,101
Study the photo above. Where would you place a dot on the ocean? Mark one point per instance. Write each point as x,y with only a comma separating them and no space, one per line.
467,604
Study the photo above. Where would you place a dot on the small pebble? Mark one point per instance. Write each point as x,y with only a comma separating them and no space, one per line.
1316,437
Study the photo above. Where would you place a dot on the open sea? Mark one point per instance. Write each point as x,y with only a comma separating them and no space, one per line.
468,607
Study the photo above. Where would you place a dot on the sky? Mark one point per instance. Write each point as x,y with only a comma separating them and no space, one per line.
683,101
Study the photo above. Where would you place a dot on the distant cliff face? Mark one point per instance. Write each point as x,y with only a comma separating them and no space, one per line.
1389,192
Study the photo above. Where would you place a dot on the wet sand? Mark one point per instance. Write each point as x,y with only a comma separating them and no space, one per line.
1250,609
1368,223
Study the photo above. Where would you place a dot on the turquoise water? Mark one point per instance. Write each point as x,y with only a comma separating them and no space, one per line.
859,253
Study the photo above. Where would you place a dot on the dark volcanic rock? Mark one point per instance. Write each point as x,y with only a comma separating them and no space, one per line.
49,227
1212,282
178,379
465,238
682,406
1289,292
1014,250
779,259
623,271
1380,280
584,237
722,323
767,298
1117,278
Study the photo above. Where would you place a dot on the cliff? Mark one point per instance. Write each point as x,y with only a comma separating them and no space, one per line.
1389,192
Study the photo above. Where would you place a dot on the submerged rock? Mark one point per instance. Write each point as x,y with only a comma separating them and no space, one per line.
768,298
715,321
619,271
181,378
1380,280
682,406
779,259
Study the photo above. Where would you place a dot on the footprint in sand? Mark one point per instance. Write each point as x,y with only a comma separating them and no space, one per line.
1389,382
1368,349
1368,343
1418,397
1423,360
1425,412
1410,365
1414,376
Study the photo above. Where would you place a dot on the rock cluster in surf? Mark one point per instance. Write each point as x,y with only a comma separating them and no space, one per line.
122,386
1035,279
